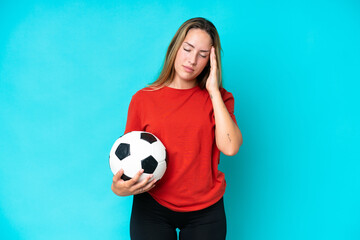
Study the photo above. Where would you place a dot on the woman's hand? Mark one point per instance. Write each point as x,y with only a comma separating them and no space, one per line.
212,81
132,186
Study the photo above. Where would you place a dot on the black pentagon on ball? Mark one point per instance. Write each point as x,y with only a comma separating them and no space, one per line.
148,137
125,178
149,164
122,151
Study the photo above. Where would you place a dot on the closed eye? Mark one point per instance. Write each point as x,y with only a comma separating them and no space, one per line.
188,50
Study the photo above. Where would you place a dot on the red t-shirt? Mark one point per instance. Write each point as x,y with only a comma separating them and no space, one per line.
183,119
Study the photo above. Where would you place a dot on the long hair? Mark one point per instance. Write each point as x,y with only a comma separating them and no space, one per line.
168,70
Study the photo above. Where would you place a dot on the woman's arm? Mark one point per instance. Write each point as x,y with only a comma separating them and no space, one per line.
228,136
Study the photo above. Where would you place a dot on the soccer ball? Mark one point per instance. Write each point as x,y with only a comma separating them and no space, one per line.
135,151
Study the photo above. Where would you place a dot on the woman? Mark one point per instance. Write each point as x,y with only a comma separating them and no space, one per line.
187,108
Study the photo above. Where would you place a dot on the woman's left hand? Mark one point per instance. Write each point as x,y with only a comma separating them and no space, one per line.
212,81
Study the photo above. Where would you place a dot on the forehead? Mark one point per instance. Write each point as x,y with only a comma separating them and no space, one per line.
198,38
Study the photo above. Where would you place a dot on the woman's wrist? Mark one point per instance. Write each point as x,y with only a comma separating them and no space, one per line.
214,92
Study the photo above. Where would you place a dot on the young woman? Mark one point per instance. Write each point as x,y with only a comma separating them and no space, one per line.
193,115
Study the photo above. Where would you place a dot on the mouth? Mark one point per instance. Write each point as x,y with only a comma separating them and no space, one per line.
188,69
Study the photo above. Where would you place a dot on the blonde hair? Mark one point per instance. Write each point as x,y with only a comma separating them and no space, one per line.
168,70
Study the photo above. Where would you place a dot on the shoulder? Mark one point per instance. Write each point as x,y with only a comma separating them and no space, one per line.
226,94
144,92
145,95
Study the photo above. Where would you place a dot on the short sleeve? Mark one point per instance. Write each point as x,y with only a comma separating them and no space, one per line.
229,102
133,122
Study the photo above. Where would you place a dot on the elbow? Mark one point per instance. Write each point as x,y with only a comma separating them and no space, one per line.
232,150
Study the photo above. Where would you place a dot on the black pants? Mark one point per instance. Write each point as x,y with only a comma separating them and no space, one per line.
150,220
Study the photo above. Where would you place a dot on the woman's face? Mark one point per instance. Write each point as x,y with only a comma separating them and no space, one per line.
193,55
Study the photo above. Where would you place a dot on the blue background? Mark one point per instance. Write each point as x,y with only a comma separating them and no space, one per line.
69,68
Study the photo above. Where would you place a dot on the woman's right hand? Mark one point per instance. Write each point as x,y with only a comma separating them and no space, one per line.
132,186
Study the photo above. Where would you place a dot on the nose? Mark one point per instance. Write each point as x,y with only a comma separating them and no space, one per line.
192,59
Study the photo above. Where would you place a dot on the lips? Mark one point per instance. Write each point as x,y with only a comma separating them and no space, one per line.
188,69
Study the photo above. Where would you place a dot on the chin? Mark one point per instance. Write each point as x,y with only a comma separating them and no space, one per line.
187,77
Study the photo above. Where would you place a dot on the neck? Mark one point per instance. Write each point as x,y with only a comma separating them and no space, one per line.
182,84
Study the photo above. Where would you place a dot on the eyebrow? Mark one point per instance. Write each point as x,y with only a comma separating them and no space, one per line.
194,47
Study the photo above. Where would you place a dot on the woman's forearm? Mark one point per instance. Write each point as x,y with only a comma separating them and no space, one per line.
228,136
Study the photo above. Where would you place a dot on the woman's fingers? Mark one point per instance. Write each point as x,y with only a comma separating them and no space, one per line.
213,58
118,175
150,185
143,186
132,186
143,183
147,187
135,179
117,183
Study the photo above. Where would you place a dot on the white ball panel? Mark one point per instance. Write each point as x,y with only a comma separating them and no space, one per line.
115,165
159,171
158,151
131,166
